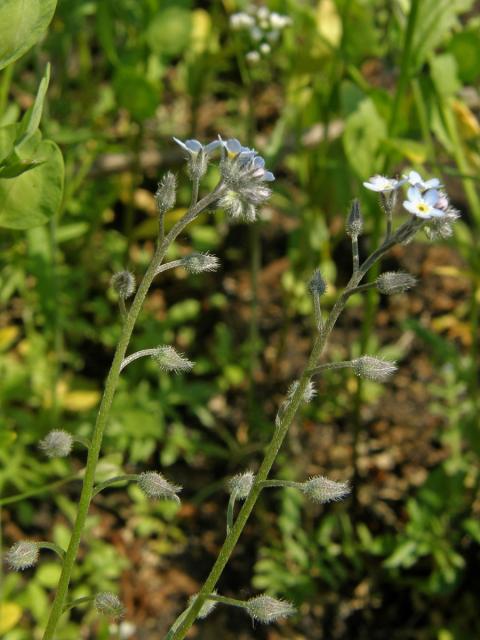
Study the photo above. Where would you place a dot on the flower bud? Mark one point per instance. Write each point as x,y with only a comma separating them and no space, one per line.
317,284
166,192
170,360
241,484
354,225
124,283
392,282
198,262
323,490
154,485
57,444
207,607
373,368
22,555
109,604
267,609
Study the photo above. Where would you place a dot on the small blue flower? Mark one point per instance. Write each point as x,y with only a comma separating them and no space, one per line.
423,205
193,147
414,179
381,184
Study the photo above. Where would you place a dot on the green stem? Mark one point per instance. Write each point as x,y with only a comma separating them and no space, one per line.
276,484
104,410
111,481
277,440
230,510
53,547
38,490
77,601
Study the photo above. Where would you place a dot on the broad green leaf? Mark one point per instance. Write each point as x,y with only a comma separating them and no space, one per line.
32,198
364,132
443,69
8,136
169,33
22,24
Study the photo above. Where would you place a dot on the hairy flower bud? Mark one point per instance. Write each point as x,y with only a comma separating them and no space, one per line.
123,283
56,444
354,225
198,262
109,605
373,368
267,609
207,607
392,282
317,284
166,193
22,555
241,484
170,360
154,485
323,490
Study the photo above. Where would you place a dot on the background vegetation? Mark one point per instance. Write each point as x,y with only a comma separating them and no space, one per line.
351,88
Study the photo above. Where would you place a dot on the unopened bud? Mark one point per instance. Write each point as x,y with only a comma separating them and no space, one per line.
166,192
198,262
392,282
22,555
207,607
317,284
56,444
124,283
323,490
241,484
109,605
154,485
267,609
373,368
198,165
354,225
170,360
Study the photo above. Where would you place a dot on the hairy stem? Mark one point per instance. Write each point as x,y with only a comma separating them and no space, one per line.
105,406
186,619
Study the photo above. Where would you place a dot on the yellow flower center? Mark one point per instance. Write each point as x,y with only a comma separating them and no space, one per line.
423,207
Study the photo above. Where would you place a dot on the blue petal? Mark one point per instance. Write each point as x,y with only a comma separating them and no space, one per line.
268,176
258,162
233,146
211,146
193,145
182,144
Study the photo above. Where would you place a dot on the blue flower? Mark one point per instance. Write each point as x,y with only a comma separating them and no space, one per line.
193,147
381,184
415,180
423,205
246,159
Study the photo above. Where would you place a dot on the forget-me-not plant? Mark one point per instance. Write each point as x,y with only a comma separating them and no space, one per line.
242,187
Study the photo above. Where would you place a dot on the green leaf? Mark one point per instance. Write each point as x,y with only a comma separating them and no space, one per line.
135,93
22,24
169,33
31,119
443,69
32,198
435,20
364,132
464,46
403,556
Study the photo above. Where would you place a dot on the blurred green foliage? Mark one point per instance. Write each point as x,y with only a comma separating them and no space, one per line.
353,87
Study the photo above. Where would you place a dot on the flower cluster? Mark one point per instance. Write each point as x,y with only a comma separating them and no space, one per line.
262,27
244,174
425,199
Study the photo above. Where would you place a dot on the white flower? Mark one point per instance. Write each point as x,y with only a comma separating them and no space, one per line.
382,184
279,21
423,205
241,20
414,179
253,57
